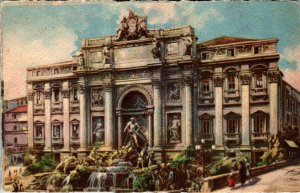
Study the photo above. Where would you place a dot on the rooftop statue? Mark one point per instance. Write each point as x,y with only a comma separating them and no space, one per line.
132,27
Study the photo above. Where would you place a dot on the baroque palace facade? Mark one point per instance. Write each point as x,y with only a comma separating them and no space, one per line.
227,90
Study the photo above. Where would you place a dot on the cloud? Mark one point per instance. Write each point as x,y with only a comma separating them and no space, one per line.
292,76
20,53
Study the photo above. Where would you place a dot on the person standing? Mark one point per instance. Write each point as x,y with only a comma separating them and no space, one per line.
242,173
231,181
248,170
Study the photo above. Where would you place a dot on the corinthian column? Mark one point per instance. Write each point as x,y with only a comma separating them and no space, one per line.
48,133
245,80
157,113
83,128
66,115
188,111
218,83
30,115
273,85
120,128
108,116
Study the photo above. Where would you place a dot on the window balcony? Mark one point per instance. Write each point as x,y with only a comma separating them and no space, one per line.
75,140
259,92
39,140
232,95
207,136
235,137
260,136
57,106
206,96
57,140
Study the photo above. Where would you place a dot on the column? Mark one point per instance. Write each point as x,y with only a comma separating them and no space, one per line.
120,128
48,133
108,116
218,83
157,114
66,115
245,80
188,111
150,126
273,96
82,106
30,115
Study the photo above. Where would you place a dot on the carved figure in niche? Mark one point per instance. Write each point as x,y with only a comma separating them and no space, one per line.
173,92
97,98
98,132
174,129
187,42
75,132
106,55
155,48
134,137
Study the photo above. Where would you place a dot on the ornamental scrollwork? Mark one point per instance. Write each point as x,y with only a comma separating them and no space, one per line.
47,94
245,79
66,93
273,76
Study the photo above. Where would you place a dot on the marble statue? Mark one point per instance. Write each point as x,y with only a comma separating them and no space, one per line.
98,133
134,136
174,129
155,48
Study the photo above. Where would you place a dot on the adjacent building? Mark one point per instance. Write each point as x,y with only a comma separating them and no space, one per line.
15,134
228,91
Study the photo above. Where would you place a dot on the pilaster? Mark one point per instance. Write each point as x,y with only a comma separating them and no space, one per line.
30,116
83,128
150,112
120,128
157,117
108,115
66,116
48,133
188,82
273,77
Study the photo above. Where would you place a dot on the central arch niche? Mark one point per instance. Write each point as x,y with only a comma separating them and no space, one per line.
134,105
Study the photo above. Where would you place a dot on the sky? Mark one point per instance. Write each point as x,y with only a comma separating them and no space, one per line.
37,34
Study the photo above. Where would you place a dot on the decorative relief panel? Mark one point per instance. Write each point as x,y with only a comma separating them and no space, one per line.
173,92
172,48
96,57
143,73
98,133
97,97
133,53
174,128
244,50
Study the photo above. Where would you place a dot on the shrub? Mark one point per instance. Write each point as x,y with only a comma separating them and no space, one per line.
44,164
140,182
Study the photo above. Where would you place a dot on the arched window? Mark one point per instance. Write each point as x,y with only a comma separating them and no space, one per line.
258,78
232,123
134,100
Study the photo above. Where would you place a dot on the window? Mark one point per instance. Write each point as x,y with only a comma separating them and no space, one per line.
204,56
16,140
232,123
37,73
206,85
231,82
259,122
14,115
56,130
230,52
206,125
75,129
257,49
56,94
38,97
15,127
259,80
55,71
75,94
39,131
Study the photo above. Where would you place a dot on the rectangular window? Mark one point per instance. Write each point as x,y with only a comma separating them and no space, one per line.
16,140
206,126
55,71
75,94
56,94
204,56
38,97
232,125
259,80
205,85
259,123
56,131
15,127
230,52
257,49
231,83
39,131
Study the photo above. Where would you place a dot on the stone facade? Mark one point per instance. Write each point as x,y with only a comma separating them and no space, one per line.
226,90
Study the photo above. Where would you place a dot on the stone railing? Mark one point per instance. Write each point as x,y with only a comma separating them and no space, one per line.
39,140
260,136
57,140
220,181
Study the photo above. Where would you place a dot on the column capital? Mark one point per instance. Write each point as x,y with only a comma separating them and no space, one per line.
108,86
47,94
156,83
30,96
82,88
187,81
218,81
245,79
66,93
150,110
273,76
